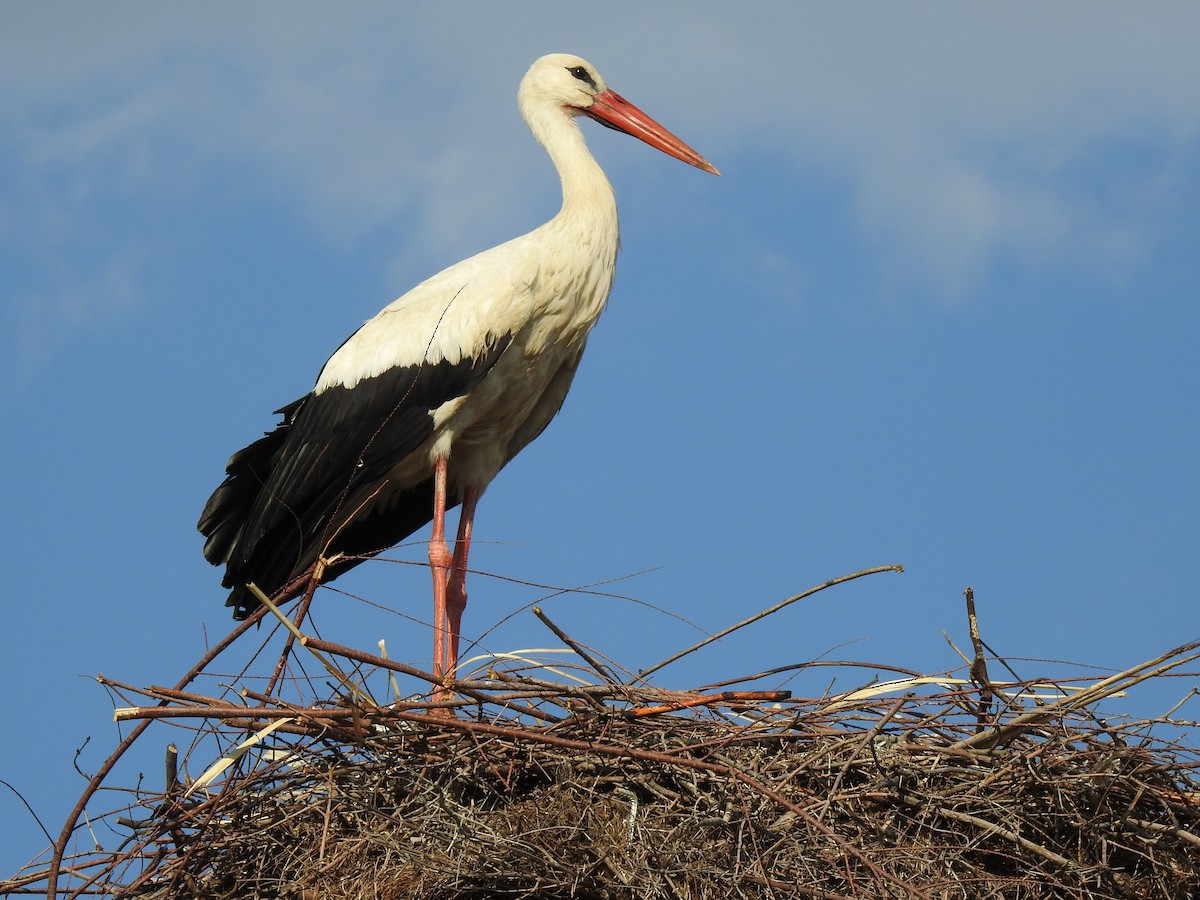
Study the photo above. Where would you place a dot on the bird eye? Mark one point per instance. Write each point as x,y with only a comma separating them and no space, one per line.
582,74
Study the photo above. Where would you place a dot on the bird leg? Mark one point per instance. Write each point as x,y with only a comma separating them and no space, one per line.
456,585
440,560
449,576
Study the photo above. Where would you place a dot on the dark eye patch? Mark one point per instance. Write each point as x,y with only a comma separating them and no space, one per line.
582,74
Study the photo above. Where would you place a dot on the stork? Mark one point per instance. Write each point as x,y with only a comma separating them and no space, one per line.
422,406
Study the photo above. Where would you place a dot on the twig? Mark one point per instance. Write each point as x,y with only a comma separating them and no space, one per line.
766,612
867,739
597,666
295,632
68,828
993,828
725,698
392,665
979,672
529,735
314,573
1092,694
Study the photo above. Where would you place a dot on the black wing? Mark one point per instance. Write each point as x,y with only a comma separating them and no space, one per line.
295,494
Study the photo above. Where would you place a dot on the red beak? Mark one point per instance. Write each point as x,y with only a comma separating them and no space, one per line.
613,111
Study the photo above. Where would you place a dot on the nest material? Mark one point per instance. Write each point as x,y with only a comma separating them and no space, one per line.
939,787
800,801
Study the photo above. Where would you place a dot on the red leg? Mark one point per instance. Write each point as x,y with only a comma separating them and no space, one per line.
440,561
456,586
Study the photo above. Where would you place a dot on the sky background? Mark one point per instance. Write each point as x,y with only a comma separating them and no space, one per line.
940,310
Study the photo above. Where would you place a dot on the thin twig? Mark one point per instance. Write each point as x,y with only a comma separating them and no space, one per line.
68,828
643,673
979,672
582,653
1098,691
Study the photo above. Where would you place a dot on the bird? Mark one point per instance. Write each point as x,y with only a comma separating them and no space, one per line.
421,407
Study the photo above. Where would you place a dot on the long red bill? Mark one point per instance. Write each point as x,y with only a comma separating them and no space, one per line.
612,110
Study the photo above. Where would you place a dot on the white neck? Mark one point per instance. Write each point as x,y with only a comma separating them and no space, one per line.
588,199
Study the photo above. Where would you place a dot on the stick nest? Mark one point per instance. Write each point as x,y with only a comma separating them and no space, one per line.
545,787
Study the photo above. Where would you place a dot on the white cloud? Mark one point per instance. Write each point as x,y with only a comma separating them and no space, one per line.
965,134
961,133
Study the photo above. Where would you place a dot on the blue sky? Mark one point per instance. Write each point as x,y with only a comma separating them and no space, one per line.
940,310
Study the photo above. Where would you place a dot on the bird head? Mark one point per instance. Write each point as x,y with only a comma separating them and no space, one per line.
572,85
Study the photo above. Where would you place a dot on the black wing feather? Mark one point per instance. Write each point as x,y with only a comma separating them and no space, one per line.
294,494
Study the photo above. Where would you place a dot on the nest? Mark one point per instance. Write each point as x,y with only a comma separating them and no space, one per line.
539,782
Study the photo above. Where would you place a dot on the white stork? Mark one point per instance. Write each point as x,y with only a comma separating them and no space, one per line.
420,408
